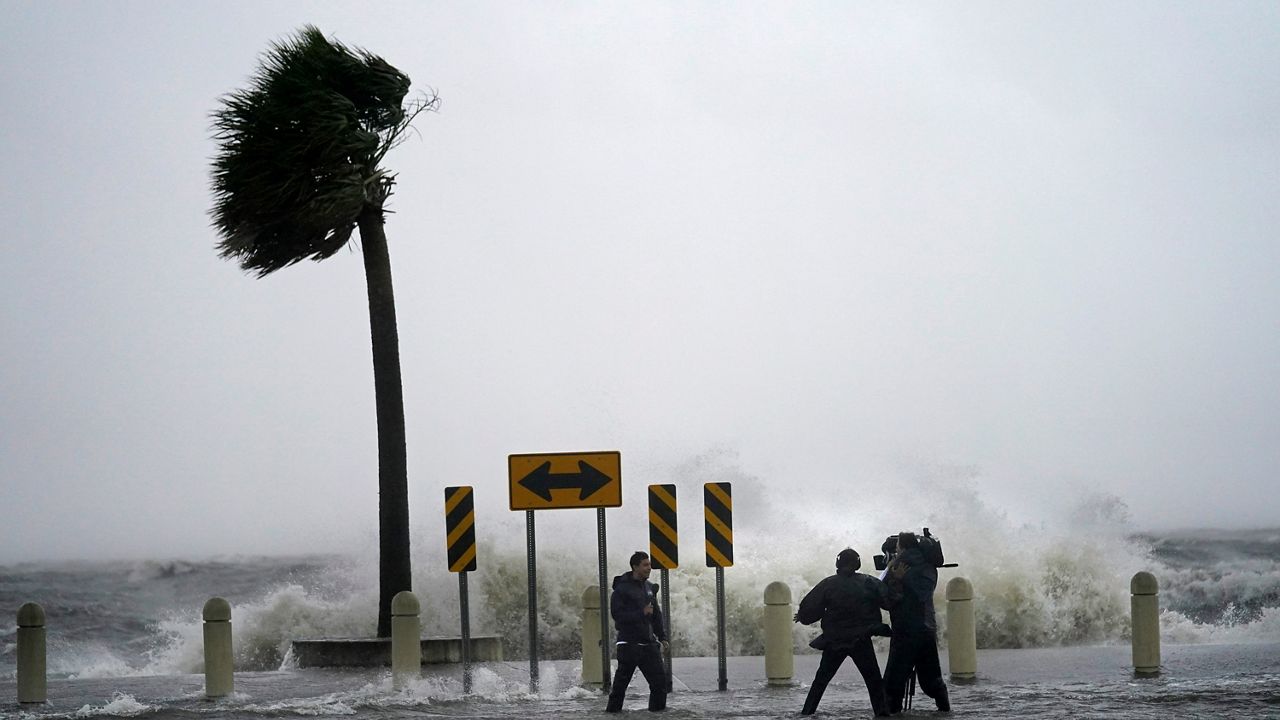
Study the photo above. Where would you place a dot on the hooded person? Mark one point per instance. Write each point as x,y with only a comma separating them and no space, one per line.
637,621
848,604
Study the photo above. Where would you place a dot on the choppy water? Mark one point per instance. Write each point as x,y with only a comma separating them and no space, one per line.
143,618
1238,681
1053,587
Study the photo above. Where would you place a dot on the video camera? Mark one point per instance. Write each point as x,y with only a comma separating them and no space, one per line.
930,547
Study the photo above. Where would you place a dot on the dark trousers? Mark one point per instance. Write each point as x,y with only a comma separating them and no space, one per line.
864,657
918,651
648,658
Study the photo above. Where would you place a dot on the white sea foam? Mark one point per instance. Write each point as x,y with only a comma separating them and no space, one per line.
430,688
92,661
492,687
72,658
308,707
1177,628
487,687
121,705
262,630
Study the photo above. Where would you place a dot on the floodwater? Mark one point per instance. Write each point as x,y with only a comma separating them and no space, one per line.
1238,681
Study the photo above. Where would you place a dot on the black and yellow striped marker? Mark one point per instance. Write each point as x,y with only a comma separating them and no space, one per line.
460,528
717,499
664,542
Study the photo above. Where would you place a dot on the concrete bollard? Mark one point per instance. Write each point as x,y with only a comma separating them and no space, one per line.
779,651
33,686
591,637
962,636
1145,606
406,638
219,676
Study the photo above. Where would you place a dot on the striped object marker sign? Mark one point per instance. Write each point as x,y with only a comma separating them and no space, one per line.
460,528
664,542
717,500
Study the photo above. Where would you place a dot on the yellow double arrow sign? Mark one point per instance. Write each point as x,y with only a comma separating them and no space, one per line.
546,481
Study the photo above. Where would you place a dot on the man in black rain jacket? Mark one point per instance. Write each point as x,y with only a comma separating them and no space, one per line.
848,603
914,644
637,619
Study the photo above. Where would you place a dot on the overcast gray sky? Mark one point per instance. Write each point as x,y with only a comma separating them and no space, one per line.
825,242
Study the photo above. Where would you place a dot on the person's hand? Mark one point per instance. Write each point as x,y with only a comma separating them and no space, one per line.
897,570
648,609
666,647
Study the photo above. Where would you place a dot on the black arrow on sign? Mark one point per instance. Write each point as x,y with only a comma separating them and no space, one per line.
542,481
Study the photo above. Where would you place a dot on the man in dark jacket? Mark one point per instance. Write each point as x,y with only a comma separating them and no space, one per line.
848,603
914,644
637,620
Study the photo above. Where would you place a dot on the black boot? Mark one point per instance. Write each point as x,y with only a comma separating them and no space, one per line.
812,699
943,700
879,702
658,700
615,701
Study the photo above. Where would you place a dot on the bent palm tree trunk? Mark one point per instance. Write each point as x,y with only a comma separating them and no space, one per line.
296,172
393,481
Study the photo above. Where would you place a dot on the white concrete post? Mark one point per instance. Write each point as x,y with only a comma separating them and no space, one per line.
218,666
591,637
406,638
1145,605
32,675
779,651
962,636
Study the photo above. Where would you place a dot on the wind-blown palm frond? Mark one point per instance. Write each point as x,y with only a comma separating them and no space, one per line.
297,170
299,150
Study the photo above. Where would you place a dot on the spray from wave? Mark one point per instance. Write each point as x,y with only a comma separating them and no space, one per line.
1061,581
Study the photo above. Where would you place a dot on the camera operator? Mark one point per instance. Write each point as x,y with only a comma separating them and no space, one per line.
914,643
848,603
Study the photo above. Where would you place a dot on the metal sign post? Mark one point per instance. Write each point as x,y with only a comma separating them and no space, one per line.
723,678
664,551
530,545
717,499
666,622
604,603
466,632
460,544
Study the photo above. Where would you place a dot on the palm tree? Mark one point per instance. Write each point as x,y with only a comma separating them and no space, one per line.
296,171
